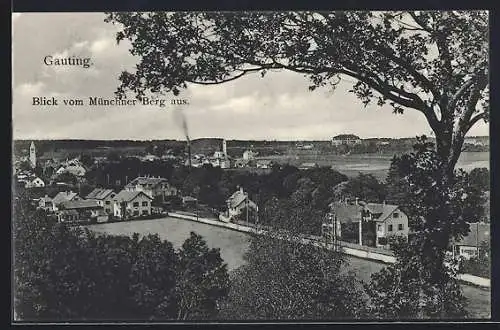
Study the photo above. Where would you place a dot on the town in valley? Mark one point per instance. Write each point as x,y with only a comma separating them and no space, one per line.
89,182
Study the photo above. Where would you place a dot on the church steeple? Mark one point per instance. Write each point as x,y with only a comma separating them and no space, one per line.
32,154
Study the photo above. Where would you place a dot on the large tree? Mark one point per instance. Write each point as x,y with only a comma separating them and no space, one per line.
427,61
69,274
284,279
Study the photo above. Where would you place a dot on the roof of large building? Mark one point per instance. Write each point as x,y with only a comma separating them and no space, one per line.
80,204
127,196
479,232
143,180
187,199
64,196
99,193
346,137
239,197
308,165
69,212
347,213
382,210
236,198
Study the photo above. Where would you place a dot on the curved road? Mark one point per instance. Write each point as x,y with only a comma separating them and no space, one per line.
233,245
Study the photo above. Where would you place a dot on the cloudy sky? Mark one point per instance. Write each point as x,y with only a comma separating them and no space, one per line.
276,107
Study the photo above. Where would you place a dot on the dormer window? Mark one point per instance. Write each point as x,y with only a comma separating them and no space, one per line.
395,215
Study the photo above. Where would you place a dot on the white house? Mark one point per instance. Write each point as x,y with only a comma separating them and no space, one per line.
128,204
152,186
389,220
346,139
468,246
35,182
264,163
73,166
249,155
45,203
104,197
62,197
77,170
80,211
236,203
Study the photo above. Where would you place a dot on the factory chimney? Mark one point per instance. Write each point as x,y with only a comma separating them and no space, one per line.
189,150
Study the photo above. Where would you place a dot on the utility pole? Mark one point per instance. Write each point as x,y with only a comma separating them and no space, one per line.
246,207
477,239
334,224
361,230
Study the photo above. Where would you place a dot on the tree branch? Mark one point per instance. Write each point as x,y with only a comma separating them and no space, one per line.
474,120
420,22
410,69
478,78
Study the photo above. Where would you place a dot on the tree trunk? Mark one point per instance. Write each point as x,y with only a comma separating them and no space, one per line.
449,147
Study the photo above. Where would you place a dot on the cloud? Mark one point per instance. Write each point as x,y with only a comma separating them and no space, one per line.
100,46
276,106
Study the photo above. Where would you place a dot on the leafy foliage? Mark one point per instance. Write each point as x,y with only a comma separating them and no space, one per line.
421,284
434,62
481,264
409,289
366,187
66,273
202,280
287,280
480,178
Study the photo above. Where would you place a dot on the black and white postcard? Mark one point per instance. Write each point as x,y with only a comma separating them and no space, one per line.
297,166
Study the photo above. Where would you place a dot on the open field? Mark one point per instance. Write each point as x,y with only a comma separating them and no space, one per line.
233,245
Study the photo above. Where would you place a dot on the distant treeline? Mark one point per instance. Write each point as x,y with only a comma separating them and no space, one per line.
236,147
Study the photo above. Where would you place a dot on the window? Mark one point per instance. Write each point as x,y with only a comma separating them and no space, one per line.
136,213
145,212
395,215
400,226
108,210
136,204
145,203
379,227
382,241
108,202
390,228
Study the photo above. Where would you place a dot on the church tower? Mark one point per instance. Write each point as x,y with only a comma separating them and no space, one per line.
224,148
32,155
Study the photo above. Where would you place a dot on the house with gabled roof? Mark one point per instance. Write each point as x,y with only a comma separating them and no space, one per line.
81,210
152,186
131,204
45,203
388,219
64,196
104,197
236,203
35,182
